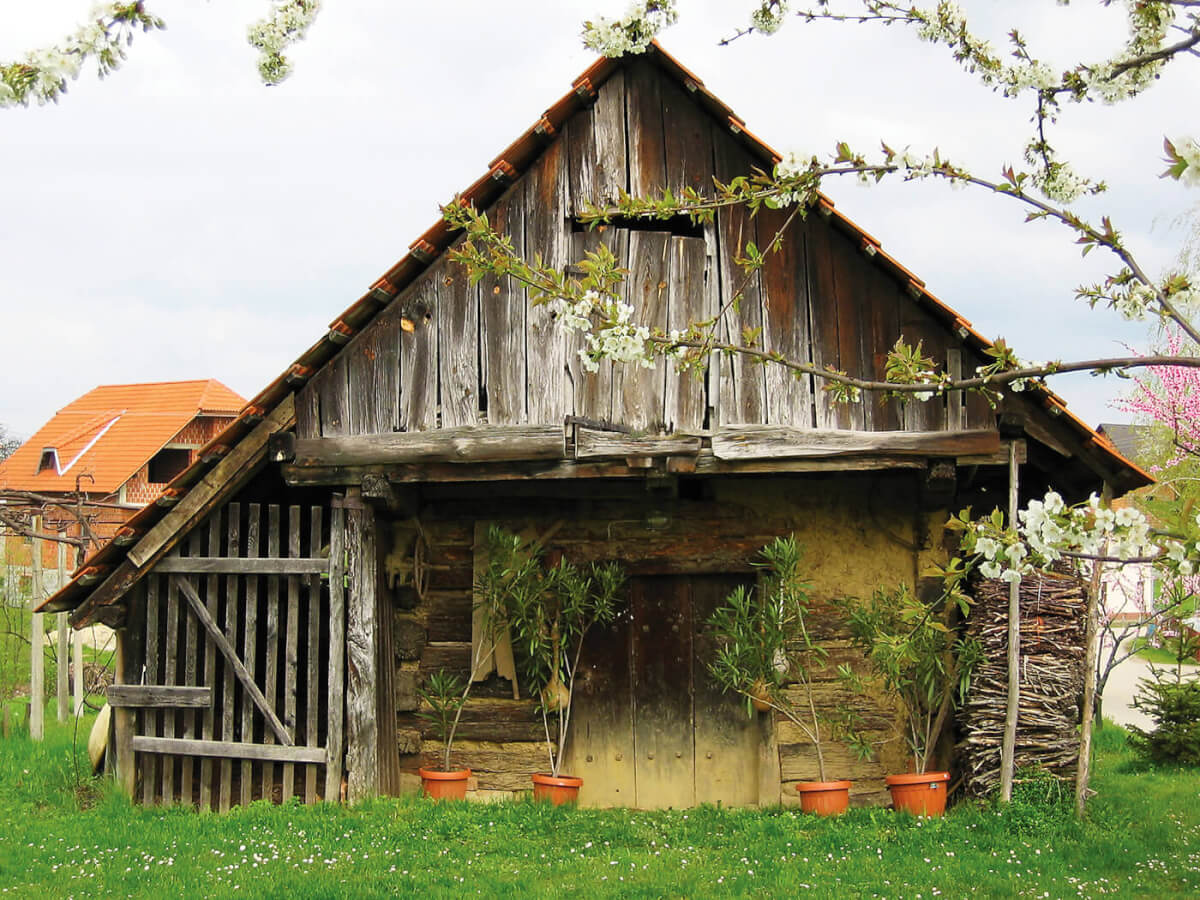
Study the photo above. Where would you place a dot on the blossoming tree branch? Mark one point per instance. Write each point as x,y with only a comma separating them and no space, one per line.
43,74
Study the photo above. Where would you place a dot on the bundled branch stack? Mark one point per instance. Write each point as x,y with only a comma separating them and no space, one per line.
1053,614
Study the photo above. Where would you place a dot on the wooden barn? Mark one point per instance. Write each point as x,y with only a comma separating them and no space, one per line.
279,606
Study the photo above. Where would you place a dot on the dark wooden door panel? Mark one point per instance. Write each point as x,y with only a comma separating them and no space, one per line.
727,739
663,725
600,748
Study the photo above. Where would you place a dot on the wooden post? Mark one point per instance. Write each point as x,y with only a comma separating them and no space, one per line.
122,724
62,646
334,746
77,663
362,722
1009,746
1091,643
37,659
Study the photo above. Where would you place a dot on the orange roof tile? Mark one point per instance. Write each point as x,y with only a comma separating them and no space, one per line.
102,439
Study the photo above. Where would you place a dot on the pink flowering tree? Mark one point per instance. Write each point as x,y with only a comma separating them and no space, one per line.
1166,399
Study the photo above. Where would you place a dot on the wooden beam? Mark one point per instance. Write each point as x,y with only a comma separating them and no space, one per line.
702,464
239,668
708,464
777,442
159,695
233,749
999,458
336,697
1008,746
466,444
221,481
123,724
37,639
592,444
362,715
228,565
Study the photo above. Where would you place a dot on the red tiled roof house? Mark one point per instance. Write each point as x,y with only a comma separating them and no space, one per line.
117,445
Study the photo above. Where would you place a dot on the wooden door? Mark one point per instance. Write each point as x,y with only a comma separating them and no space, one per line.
649,729
241,696
664,725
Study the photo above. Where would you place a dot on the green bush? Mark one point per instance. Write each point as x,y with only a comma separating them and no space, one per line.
1173,702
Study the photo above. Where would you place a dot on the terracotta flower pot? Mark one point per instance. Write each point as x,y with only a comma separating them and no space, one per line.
825,798
921,795
556,789
445,785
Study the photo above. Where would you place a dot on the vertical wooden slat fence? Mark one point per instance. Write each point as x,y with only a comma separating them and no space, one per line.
242,693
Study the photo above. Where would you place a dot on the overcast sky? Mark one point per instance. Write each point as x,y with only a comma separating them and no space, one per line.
179,220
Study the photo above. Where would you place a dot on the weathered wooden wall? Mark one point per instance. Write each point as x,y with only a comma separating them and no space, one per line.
860,531
447,354
234,636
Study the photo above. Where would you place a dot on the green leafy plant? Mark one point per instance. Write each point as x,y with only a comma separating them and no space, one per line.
446,695
915,655
764,646
548,610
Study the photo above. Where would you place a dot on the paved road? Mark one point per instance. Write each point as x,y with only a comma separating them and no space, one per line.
1121,688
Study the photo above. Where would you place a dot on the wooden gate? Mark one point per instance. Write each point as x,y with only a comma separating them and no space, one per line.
649,728
242,691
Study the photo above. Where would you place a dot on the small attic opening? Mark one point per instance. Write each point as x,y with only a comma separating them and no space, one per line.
678,226
48,460
167,463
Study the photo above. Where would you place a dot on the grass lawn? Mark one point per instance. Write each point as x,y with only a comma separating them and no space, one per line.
1157,655
66,836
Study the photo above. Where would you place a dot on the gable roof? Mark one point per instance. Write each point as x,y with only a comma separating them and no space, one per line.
100,440
1100,454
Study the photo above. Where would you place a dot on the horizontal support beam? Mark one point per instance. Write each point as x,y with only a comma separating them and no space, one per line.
165,695
703,463
468,444
228,749
592,444
230,565
777,442
999,458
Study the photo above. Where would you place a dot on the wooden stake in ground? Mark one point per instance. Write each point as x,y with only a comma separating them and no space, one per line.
62,648
1089,678
1009,746
77,668
37,635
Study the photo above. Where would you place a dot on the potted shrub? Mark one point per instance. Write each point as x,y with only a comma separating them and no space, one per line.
914,654
445,696
763,646
548,607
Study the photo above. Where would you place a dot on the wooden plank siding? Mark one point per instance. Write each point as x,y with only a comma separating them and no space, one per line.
448,354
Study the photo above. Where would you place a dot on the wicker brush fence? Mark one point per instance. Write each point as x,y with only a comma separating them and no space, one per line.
1053,612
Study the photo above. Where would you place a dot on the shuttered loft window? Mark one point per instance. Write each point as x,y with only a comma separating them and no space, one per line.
679,226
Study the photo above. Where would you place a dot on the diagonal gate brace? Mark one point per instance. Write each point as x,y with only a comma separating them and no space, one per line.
239,668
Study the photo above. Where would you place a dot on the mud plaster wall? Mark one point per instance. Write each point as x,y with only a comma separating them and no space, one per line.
860,531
